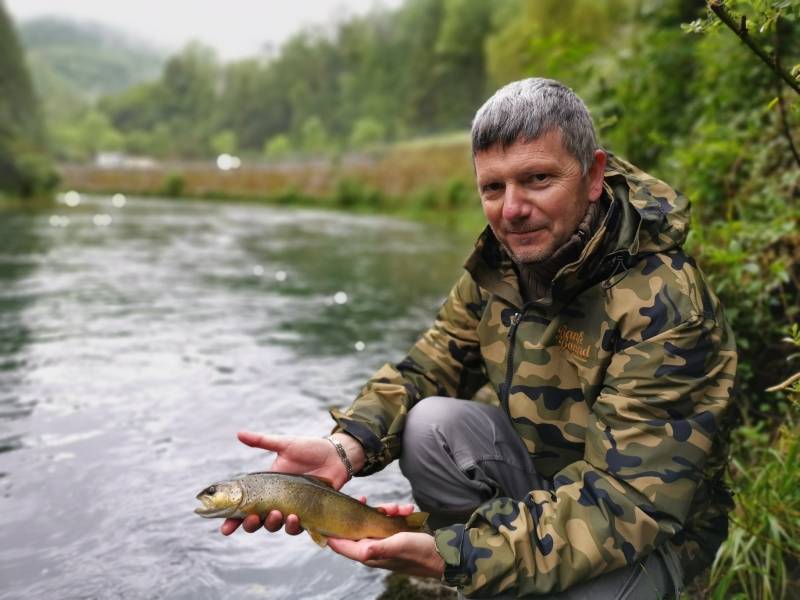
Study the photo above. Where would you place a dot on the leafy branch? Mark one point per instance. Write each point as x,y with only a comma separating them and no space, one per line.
740,29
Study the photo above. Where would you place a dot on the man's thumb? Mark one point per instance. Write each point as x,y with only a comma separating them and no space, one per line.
275,443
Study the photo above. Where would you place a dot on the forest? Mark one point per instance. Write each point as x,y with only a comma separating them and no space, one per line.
705,96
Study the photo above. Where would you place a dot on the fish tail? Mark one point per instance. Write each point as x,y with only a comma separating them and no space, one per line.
417,521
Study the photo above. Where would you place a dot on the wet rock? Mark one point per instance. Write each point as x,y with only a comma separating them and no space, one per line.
404,587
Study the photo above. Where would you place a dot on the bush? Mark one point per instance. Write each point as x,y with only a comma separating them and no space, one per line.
173,185
351,193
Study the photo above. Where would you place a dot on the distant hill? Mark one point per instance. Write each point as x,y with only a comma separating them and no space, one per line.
74,61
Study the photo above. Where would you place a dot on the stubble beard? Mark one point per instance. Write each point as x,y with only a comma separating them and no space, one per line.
531,257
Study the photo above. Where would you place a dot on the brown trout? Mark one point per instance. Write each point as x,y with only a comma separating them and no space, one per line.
323,511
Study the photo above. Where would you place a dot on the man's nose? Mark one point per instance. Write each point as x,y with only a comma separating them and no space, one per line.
515,203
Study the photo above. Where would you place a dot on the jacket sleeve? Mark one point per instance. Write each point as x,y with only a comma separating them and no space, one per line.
649,434
445,361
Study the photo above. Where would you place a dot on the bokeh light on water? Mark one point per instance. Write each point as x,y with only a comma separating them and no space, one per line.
131,353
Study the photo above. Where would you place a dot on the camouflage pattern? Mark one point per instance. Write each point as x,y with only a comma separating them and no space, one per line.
619,387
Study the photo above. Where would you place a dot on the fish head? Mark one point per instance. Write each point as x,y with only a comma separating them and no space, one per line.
220,499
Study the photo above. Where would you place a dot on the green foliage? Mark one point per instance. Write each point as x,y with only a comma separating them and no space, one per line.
351,193
224,142
182,101
314,137
367,132
761,557
278,146
25,169
173,185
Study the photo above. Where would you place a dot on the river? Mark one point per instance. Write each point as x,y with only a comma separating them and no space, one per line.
138,335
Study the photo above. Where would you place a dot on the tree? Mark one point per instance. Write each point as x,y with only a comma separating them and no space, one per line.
25,167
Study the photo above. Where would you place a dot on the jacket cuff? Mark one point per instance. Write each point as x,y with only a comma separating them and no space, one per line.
374,449
449,542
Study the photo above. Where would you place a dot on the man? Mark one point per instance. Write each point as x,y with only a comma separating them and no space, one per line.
595,369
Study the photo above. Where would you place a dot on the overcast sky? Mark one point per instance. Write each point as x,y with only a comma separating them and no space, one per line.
235,28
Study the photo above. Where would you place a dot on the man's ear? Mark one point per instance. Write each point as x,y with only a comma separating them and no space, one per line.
595,175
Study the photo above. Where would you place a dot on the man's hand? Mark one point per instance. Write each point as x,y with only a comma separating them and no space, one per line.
302,456
408,553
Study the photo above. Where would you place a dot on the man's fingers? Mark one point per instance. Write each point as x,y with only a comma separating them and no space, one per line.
251,523
355,550
229,526
293,525
394,510
275,443
388,509
273,521
405,510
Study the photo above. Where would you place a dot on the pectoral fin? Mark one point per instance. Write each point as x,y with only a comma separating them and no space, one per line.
320,539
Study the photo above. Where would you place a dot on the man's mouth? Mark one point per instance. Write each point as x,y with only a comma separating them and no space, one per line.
522,231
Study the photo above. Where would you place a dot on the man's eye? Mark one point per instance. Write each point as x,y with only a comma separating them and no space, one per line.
539,177
493,187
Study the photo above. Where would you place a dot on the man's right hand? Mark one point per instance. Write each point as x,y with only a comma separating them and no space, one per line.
302,456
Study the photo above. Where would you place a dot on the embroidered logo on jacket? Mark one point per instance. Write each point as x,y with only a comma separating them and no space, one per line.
572,341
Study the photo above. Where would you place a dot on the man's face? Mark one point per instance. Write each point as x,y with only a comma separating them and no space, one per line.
534,196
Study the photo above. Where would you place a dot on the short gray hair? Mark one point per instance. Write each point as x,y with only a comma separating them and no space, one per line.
529,108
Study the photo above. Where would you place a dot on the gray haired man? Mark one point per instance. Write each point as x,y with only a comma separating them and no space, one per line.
563,419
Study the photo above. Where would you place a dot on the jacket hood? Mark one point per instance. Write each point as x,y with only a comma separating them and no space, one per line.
645,216
654,217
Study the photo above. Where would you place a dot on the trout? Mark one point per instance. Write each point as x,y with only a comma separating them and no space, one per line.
323,511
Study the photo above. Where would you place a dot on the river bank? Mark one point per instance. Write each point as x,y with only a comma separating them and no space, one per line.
428,180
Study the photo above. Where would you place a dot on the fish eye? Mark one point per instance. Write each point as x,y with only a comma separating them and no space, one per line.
211,490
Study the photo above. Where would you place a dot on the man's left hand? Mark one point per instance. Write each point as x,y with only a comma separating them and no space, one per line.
408,553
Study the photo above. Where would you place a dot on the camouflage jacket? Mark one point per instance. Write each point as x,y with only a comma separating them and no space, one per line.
619,387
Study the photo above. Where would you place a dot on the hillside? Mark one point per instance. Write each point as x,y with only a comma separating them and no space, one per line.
75,61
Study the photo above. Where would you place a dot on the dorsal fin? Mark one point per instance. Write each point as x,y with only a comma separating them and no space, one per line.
323,480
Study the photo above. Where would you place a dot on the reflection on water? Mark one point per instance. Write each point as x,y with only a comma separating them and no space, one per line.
137,336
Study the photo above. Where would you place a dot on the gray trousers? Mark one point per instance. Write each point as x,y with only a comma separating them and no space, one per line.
459,454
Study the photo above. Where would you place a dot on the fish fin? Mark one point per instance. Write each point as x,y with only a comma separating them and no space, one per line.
323,480
417,521
320,539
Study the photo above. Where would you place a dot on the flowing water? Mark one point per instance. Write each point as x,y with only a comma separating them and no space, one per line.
137,337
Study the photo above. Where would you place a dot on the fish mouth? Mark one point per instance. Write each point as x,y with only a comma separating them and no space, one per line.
210,513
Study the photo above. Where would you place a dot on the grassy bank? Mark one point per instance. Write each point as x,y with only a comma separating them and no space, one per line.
424,179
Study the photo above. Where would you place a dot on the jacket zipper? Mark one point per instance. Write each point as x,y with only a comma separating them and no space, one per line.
515,321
